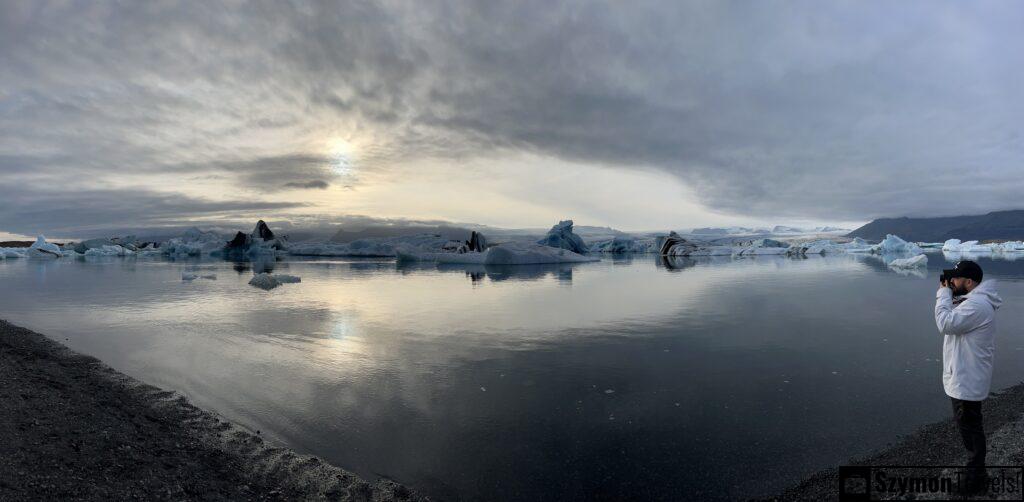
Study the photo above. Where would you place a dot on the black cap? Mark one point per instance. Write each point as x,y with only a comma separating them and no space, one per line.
967,269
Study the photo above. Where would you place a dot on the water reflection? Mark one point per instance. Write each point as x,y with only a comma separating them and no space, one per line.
562,272
645,379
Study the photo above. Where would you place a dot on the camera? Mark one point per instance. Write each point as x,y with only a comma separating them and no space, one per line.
947,274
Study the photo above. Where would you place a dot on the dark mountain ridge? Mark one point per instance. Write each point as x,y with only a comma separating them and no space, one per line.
1002,225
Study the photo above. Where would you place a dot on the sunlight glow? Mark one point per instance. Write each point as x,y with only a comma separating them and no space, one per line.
342,156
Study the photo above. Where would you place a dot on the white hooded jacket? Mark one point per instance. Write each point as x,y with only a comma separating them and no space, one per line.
969,344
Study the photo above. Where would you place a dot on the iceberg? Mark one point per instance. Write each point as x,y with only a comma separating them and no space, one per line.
527,254
386,247
821,246
857,245
362,247
88,244
269,281
892,244
6,253
193,242
624,244
1009,247
561,236
511,253
108,250
42,249
914,262
761,247
958,246
261,241
711,251
674,245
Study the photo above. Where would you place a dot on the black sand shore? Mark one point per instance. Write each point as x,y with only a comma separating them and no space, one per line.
71,428
937,444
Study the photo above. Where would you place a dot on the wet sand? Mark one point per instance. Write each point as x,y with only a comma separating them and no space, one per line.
72,428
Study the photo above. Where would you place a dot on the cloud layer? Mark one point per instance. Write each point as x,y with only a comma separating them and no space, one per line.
815,110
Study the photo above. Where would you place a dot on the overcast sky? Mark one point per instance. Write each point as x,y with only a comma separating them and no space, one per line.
640,115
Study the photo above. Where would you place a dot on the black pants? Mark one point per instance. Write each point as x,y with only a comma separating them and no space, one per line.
968,420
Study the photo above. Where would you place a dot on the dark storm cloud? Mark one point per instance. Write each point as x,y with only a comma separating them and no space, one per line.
76,213
830,110
319,184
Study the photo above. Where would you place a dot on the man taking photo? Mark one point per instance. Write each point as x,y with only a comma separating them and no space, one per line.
967,351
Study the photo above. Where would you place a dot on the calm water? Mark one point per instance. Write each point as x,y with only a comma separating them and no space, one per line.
620,379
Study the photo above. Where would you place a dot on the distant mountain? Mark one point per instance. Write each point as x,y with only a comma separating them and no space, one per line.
1007,225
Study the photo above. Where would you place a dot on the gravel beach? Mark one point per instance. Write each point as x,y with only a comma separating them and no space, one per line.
936,444
74,429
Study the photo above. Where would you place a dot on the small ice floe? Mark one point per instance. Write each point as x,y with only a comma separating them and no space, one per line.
958,246
270,281
191,276
914,262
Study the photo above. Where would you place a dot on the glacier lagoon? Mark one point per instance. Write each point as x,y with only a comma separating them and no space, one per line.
625,378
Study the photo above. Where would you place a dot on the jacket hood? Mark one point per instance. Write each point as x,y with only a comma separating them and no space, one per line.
987,291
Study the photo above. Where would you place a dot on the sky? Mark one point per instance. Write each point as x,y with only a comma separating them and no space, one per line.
640,115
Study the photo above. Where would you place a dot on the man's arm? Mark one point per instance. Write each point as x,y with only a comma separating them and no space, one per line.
950,320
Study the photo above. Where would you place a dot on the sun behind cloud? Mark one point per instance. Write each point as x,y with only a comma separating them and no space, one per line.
342,155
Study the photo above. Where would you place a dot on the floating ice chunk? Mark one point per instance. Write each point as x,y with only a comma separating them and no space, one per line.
108,250
193,242
674,245
261,241
42,249
561,236
191,276
762,247
264,281
7,253
512,253
623,244
530,254
271,281
857,245
892,244
821,246
951,245
382,247
86,245
363,247
956,246
914,262
709,251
